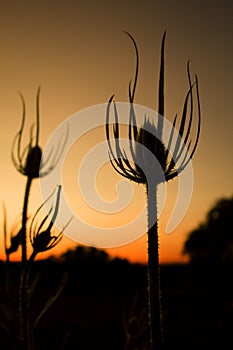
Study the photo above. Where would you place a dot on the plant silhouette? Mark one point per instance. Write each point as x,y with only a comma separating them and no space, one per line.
30,163
143,171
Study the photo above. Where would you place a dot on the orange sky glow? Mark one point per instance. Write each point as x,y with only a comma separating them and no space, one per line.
77,53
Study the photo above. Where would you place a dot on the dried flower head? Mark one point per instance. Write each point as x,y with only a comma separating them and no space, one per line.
41,237
29,161
149,135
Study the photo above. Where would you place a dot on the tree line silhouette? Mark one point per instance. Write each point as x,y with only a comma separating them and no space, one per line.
212,241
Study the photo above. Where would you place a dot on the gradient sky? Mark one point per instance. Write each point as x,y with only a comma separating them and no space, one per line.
78,54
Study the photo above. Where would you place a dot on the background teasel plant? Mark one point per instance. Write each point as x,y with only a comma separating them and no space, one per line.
42,239
29,162
142,170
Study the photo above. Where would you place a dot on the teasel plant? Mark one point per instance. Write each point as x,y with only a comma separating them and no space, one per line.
30,163
138,168
42,239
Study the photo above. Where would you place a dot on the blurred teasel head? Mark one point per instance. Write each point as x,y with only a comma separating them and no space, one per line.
149,135
41,236
29,161
15,236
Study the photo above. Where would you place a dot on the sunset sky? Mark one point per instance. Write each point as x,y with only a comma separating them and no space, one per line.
77,52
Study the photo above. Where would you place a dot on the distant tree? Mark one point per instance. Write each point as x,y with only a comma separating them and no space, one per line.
85,255
212,240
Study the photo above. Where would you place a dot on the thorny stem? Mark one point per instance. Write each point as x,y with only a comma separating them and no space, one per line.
6,252
24,291
154,298
25,331
24,221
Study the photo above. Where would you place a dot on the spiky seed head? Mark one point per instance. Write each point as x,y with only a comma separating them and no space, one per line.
33,161
146,138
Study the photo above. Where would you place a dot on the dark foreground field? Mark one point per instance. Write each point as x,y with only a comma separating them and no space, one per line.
103,299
